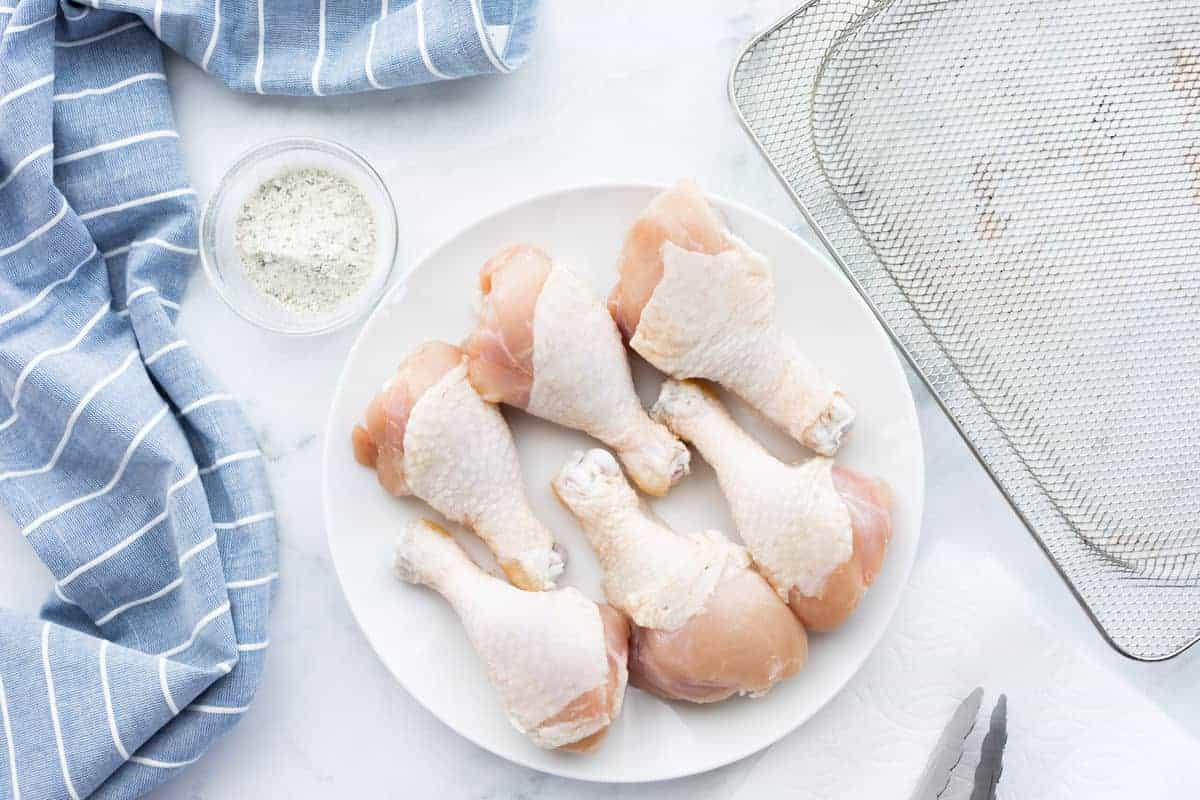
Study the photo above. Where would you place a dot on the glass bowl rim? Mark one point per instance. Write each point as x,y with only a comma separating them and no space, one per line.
259,152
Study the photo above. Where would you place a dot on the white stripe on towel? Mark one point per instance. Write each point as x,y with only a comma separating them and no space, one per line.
485,41
316,70
371,46
50,353
116,144
158,4
186,557
138,293
229,459
12,753
434,71
29,87
144,76
71,420
25,162
108,704
258,66
62,753
212,40
140,201
205,620
18,28
12,248
383,12
7,10
150,598
133,537
50,287
162,351
250,647
59,593
205,709
106,488
89,39
154,762
150,240
243,521
203,401
252,581
145,290
166,689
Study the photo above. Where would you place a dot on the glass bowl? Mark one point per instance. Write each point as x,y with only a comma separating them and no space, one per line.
218,223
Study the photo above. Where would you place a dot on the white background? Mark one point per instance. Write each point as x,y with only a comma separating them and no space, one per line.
613,91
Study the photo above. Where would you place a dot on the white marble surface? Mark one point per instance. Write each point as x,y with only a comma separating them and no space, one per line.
619,90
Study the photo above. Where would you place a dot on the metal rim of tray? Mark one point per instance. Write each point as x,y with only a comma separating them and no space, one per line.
731,90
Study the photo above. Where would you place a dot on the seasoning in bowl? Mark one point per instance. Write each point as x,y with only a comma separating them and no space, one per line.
306,239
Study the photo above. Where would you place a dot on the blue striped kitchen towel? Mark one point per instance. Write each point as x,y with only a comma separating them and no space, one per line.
136,480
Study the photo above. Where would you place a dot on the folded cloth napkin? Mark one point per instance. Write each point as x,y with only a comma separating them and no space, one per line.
136,480
1076,729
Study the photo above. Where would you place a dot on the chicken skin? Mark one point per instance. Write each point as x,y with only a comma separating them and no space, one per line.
547,345
429,434
705,626
817,531
696,302
557,659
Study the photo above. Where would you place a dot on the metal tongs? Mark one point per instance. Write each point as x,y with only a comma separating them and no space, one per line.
967,760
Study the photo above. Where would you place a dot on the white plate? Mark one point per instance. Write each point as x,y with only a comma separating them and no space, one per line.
415,632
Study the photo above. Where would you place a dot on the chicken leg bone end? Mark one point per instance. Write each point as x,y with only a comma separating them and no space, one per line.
535,569
657,461
824,436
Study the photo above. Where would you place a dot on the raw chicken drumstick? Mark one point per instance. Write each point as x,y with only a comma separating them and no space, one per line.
705,625
696,302
556,658
430,435
546,344
817,531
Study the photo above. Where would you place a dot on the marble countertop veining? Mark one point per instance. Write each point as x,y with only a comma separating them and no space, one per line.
614,91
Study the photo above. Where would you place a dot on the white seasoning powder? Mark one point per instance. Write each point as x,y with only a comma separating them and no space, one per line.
307,239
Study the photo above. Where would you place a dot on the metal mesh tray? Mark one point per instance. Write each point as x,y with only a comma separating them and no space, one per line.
1014,187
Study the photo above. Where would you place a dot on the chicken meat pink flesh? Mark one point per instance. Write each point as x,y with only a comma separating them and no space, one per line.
606,701
501,347
744,641
380,443
705,626
681,216
869,503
